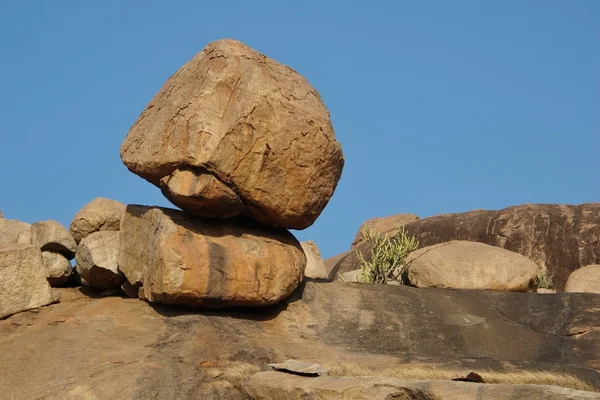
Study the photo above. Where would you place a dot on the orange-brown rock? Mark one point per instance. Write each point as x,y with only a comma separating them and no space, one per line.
192,262
385,225
235,132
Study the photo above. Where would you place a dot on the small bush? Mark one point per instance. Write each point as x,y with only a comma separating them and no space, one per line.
544,281
388,256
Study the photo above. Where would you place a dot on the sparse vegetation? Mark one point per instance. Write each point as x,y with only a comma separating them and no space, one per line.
388,256
430,372
544,281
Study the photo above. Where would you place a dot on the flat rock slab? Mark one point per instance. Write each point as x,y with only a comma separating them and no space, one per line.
118,348
300,368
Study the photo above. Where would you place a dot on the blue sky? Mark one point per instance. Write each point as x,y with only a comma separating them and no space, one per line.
440,106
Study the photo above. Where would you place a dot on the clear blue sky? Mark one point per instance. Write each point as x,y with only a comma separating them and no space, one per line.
440,106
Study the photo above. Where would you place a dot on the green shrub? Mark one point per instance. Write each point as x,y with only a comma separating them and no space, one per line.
544,281
388,256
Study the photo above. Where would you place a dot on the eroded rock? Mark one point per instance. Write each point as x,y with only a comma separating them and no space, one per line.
97,264
315,267
58,268
53,236
98,215
585,279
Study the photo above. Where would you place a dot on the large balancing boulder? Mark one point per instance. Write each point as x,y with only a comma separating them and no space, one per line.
234,132
199,263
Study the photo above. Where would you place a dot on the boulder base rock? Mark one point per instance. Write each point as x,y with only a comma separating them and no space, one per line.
207,263
234,132
584,279
23,283
52,236
96,258
58,268
385,225
98,215
315,267
470,265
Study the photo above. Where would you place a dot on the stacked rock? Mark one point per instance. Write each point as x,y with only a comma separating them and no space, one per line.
245,147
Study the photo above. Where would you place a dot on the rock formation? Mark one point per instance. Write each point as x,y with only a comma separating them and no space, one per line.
233,132
52,236
99,215
385,225
96,259
178,259
584,279
315,267
58,268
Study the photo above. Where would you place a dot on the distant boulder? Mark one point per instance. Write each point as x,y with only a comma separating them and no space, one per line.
97,263
585,279
384,225
315,267
98,215
234,132
53,236
11,229
58,268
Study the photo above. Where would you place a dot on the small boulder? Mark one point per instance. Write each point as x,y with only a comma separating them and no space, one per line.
11,229
97,261
385,225
53,236
23,283
315,267
98,215
470,265
178,259
234,132
58,268
350,276
584,279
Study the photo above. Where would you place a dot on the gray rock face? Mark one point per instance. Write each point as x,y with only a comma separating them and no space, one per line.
99,215
200,263
23,283
315,267
96,259
52,236
585,279
235,132
10,229
58,268
281,386
470,265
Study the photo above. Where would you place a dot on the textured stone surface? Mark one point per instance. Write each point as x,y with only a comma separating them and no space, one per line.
386,225
58,268
98,215
10,229
315,267
96,258
23,283
470,265
273,385
207,263
235,132
52,236
119,348
584,279
560,238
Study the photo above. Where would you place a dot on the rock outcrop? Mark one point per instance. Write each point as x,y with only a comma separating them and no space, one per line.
52,236
58,268
98,215
192,262
125,349
233,132
11,229
315,267
23,283
385,225
470,265
585,279
96,259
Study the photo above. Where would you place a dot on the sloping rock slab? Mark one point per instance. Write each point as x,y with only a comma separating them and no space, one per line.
115,348
281,386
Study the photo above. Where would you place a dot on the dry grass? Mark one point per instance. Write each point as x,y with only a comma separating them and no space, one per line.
429,372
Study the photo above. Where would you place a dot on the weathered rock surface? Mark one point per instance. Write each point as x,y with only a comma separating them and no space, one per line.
98,215
470,265
10,229
116,348
97,264
559,238
271,385
315,267
23,283
207,263
584,279
52,236
58,268
234,132
386,225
